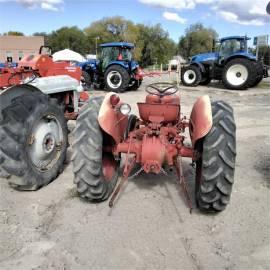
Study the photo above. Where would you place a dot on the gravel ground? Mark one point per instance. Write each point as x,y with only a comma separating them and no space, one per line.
150,226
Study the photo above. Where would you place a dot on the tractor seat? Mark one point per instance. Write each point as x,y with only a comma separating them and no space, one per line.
153,99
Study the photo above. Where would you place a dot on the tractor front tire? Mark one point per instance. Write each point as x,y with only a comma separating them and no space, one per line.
33,141
86,81
239,74
89,160
191,75
116,79
215,168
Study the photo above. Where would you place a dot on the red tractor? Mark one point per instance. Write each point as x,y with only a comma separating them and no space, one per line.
105,130
40,65
37,99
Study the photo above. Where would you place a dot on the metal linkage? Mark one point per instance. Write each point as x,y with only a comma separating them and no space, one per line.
182,181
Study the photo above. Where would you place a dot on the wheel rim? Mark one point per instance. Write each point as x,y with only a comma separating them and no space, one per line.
45,142
114,79
237,74
190,76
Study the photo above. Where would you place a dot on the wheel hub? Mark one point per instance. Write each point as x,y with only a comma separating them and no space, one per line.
46,138
189,76
49,143
114,79
237,74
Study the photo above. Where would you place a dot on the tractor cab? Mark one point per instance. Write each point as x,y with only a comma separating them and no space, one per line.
230,46
114,70
115,52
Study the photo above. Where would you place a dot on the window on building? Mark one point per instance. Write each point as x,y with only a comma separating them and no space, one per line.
9,56
20,55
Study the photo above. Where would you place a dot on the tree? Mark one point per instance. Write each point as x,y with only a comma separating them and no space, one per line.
156,45
43,34
197,39
68,38
13,33
152,43
109,30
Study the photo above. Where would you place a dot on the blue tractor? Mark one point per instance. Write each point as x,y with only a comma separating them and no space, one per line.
232,63
115,70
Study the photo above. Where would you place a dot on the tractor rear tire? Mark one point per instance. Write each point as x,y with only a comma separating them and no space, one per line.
33,141
88,158
116,79
239,74
136,84
191,75
205,81
259,70
215,168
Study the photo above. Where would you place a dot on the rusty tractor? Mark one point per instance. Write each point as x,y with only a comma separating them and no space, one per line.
155,141
37,99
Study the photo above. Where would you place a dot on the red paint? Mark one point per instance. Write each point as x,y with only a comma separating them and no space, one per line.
111,120
41,65
200,119
159,138
84,96
108,166
114,99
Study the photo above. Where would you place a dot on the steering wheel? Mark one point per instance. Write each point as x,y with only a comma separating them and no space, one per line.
161,89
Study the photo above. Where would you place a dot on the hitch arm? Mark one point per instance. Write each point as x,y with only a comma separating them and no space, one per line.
182,181
128,167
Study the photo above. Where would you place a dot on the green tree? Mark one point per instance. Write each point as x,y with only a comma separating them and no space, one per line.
68,38
157,47
197,39
109,30
43,34
13,33
152,43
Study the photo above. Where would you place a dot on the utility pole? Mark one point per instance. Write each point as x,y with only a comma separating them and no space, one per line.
96,38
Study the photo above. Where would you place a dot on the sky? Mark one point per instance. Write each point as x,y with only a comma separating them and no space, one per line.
227,17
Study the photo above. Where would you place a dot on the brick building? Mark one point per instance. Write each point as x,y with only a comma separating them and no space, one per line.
15,47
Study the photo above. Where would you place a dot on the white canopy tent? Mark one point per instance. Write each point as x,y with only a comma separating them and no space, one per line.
68,55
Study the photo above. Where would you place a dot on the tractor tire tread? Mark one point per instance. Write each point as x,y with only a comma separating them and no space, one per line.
252,74
125,78
213,189
14,160
87,155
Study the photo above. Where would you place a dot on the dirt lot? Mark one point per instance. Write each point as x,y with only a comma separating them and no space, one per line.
150,226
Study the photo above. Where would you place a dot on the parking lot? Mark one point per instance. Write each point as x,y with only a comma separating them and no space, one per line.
150,226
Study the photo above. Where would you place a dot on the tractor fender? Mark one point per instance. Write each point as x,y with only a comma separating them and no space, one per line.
200,66
119,63
111,120
200,119
240,55
15,91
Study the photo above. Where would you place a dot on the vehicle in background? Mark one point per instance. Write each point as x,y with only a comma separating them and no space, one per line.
232,63
115,69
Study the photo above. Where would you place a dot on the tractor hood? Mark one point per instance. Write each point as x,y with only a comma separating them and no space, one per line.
204,57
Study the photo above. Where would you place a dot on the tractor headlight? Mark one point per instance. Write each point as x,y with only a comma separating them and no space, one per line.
125,108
